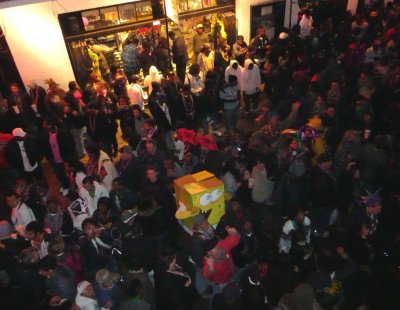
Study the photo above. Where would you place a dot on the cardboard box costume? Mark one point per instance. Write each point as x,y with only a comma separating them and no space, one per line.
199,193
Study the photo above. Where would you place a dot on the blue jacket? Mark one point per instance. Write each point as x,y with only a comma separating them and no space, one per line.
130,57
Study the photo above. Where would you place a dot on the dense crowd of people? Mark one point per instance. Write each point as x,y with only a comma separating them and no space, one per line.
303,130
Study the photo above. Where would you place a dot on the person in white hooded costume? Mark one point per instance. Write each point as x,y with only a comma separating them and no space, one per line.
234,69
153,76
250,81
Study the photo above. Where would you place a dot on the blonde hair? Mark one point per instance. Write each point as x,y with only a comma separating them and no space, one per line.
26,255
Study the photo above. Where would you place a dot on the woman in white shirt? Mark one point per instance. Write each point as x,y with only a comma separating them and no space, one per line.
195,79
135,92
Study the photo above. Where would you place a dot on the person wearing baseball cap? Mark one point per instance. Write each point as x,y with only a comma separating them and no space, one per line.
199,39
22,154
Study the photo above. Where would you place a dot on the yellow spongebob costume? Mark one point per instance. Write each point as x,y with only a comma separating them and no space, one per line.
199,193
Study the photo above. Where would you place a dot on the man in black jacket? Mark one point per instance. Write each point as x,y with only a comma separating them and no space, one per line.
23,154
130,169
180,55
19,105
323,194
96,253
122,198
164,116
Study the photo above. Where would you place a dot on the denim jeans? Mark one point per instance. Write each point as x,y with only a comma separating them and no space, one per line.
230,119
169,141
213,117
250,101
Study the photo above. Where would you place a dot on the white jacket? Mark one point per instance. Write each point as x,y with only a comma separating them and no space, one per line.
86,303
285,242
22,216
305,26
136,94
236,72
196,83
111,172
251,79
99,191
206,63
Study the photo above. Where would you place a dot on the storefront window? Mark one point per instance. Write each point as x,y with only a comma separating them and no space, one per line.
103,49
92,20
143,10
127,13
195,5
110,16
220,2
209,3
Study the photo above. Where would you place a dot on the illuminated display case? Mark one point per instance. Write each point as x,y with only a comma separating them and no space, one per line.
144,10
127,13
101,18
195,5
209,3
182,6
92,20
110,16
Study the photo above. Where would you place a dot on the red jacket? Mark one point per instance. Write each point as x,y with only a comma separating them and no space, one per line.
223,269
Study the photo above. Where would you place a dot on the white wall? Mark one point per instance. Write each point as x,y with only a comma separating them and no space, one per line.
243,13
352,6
35,39
295,10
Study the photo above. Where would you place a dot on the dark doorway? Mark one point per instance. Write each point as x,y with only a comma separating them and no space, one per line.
271,16
8,70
